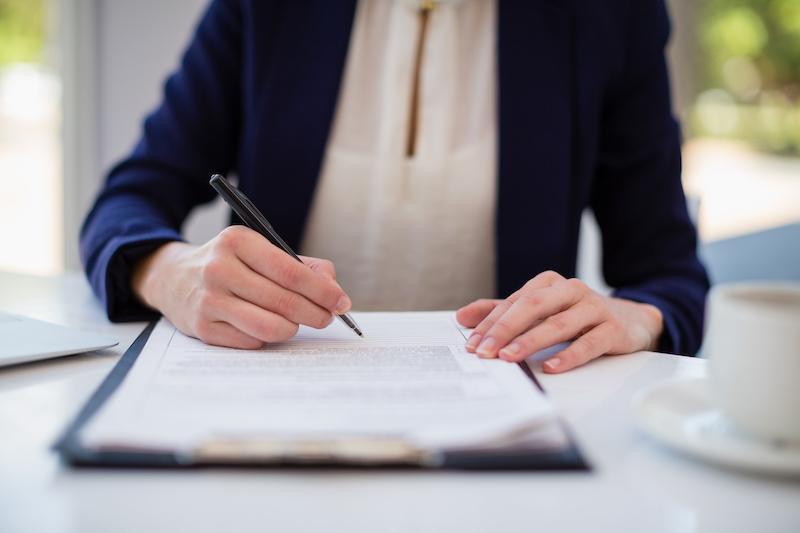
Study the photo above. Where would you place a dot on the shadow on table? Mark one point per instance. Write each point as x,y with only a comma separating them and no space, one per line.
47,370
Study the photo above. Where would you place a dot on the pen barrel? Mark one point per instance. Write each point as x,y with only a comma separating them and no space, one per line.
348,320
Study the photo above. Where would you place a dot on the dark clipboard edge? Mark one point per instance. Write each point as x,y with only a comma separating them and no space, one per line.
75,454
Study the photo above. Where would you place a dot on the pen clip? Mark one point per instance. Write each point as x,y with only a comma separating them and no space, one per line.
246,201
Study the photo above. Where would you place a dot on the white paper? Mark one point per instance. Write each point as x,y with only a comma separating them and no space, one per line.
410,379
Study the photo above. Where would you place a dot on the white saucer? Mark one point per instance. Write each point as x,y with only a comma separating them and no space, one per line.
680,414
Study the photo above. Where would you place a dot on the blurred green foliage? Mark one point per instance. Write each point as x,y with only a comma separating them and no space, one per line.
750,74
22,31
749,81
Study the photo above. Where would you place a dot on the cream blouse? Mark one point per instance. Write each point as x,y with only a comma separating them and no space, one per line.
412,233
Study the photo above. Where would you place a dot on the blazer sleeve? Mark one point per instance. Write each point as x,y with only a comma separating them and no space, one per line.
649,242
193,133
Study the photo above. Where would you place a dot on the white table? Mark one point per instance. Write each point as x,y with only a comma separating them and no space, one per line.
637,484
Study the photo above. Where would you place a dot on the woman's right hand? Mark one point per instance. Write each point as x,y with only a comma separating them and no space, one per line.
238,289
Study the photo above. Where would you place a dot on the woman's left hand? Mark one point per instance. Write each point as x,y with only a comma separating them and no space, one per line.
550,309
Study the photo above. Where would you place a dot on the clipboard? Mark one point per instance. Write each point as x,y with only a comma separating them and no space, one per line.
348,453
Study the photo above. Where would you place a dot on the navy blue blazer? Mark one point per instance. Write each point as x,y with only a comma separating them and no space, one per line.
585,121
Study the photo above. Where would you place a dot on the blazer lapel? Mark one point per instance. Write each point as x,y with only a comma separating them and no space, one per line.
298,90
535,220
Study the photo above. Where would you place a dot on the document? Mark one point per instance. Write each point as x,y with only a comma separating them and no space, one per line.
409,379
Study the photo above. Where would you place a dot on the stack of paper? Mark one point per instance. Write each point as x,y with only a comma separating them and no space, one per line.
409,381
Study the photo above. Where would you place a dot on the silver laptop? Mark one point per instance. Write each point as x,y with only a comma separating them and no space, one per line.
24,339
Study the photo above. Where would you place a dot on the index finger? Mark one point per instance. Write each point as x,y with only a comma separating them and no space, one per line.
273,263
543,279
471,314
530,308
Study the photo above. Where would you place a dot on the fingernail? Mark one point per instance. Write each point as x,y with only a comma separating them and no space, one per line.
343,304
553,363
486,348
473,341
510,351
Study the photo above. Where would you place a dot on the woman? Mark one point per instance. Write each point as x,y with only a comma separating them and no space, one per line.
438,153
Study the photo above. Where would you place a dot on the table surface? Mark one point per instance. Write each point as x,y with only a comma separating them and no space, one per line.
636,484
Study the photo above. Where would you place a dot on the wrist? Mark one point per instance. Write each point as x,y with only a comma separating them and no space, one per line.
653,322
643,322
149,272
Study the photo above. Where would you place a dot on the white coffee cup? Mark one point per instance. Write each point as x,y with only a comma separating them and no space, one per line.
753,343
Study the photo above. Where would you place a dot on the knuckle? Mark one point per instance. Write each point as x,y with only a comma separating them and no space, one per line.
530,299
551,276
489,321
272,254
557,323
486,304
286,303
289,272
214,269
482,328
617,329
595,303
592,309
585,346
502,328
576,285
206,301
231,237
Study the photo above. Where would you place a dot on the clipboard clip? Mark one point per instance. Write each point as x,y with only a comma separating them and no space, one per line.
349,450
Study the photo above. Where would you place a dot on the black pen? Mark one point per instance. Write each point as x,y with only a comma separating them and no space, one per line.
251,216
